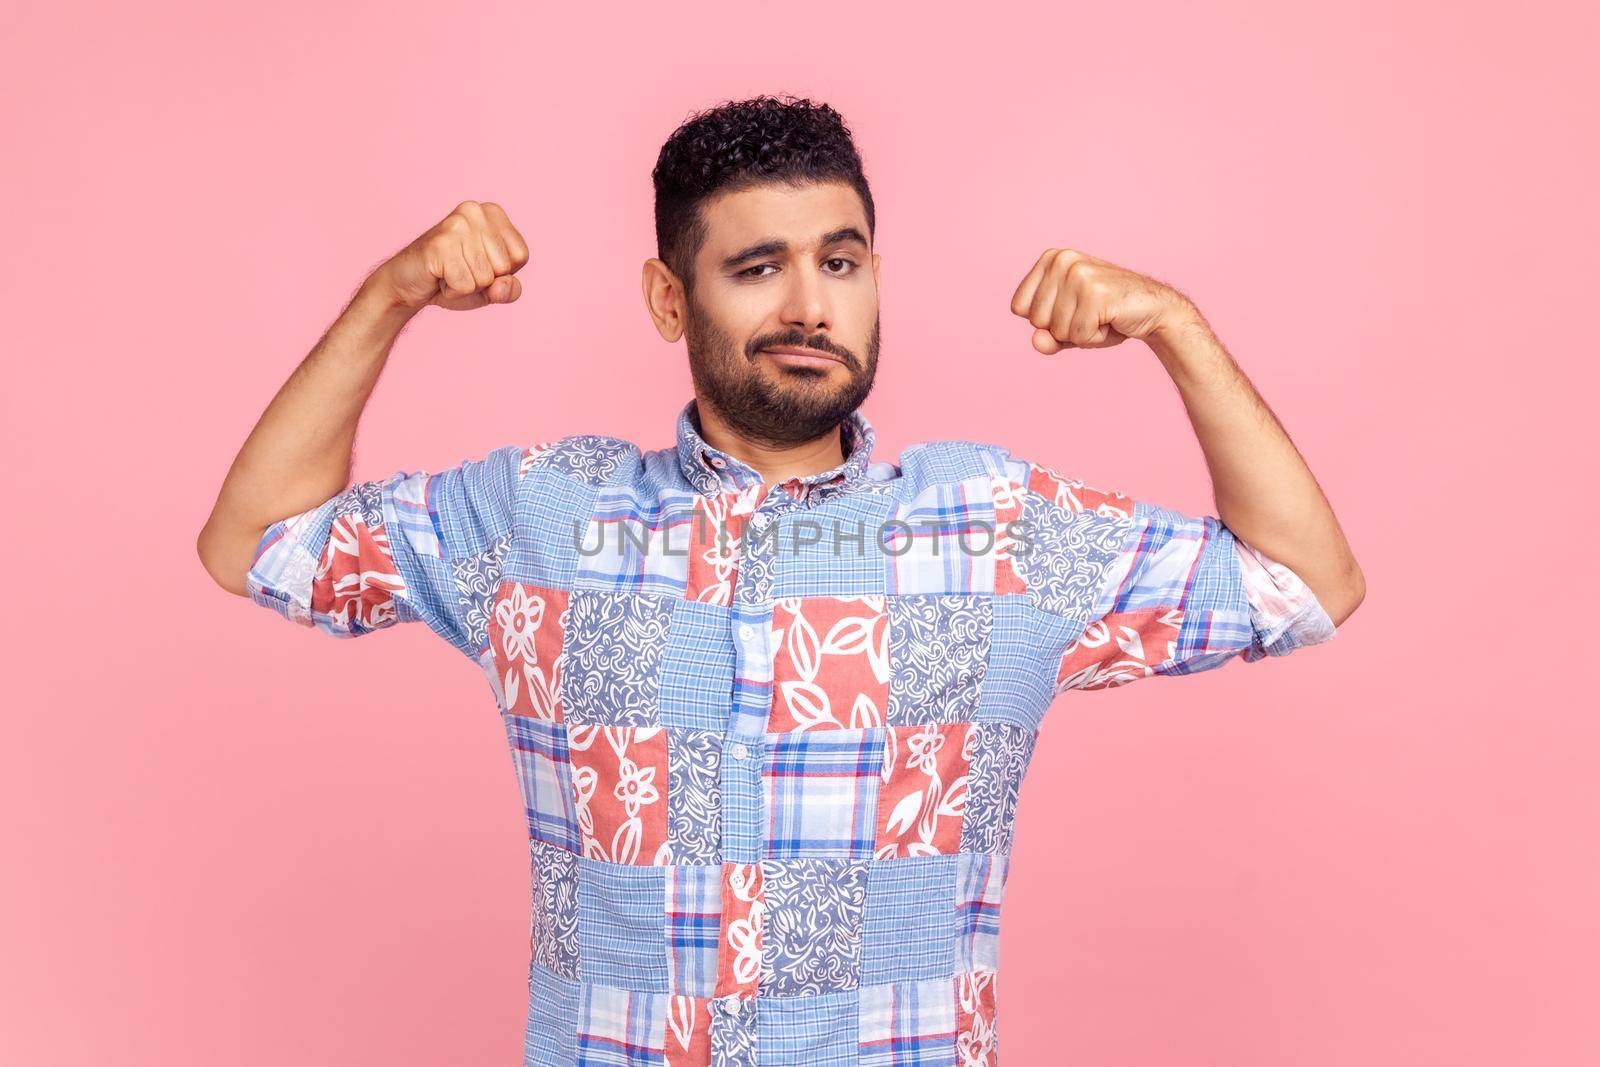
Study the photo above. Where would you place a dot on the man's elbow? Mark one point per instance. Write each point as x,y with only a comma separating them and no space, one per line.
1342,602
223,566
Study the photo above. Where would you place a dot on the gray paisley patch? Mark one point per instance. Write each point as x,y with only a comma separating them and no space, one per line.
694,795
592,458
1001,752
611,675
938,656
1070,555
554,931
812,939
364,499
733,1039
477,579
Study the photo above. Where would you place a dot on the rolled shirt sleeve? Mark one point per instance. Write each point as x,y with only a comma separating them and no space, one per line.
1176,594
410,547
1284,614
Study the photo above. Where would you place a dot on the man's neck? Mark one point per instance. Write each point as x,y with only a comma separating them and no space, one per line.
775,465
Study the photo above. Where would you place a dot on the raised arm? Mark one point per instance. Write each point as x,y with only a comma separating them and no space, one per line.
299,453
1265,493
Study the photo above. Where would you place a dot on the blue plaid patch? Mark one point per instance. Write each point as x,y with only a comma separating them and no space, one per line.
822,793
697,668
980,884
551,506
637,544
943,541
909,1024
1025,651
694,916
544,772
817,1031
833,550
549,1038
910,929
621,1027
622,925
1160,559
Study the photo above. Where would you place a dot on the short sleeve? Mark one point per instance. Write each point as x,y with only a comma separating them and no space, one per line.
1173,593
415,546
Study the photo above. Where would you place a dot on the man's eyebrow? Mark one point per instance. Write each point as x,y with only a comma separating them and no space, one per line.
777,246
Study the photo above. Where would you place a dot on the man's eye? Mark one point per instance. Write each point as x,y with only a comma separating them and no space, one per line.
749,272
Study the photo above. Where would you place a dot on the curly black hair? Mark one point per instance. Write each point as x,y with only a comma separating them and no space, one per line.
738,144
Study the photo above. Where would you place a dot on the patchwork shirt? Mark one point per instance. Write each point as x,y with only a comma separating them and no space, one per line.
769,738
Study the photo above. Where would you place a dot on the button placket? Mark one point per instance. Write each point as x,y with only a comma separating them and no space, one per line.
751,618
733,1032
744,749
732,1004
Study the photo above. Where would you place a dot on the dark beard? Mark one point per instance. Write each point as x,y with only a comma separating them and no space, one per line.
765,413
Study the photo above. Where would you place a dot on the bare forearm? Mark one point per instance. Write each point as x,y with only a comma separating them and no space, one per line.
299,453
1265,492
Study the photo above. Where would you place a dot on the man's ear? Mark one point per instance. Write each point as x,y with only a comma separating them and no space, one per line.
877,275
663,298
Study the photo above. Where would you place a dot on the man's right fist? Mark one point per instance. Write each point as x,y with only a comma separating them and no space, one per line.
468,260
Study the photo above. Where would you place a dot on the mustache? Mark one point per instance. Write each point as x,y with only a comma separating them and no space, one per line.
844,355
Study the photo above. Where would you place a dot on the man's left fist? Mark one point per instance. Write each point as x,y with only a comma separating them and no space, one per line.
1078,301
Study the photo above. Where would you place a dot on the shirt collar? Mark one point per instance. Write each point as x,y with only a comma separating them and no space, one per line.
712,471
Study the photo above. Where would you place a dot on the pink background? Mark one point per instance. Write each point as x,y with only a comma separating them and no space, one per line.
228,840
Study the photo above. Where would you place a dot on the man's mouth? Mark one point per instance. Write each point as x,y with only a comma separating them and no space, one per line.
790,356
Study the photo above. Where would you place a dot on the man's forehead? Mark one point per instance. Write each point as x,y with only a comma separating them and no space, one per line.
800,217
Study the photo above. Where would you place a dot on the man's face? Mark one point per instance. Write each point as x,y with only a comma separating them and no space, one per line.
788,268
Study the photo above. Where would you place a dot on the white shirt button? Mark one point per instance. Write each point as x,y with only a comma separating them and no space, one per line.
747,633
760,519
732,1003
738,750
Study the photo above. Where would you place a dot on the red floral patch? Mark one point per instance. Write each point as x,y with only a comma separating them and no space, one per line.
526,630
1073,495
619,785
830,664
924,793
357,579
1120,648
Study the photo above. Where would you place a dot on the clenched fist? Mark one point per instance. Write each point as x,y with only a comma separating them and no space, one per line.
1078,301
468,260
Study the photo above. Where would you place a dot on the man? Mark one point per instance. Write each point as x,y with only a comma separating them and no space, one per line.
771,697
